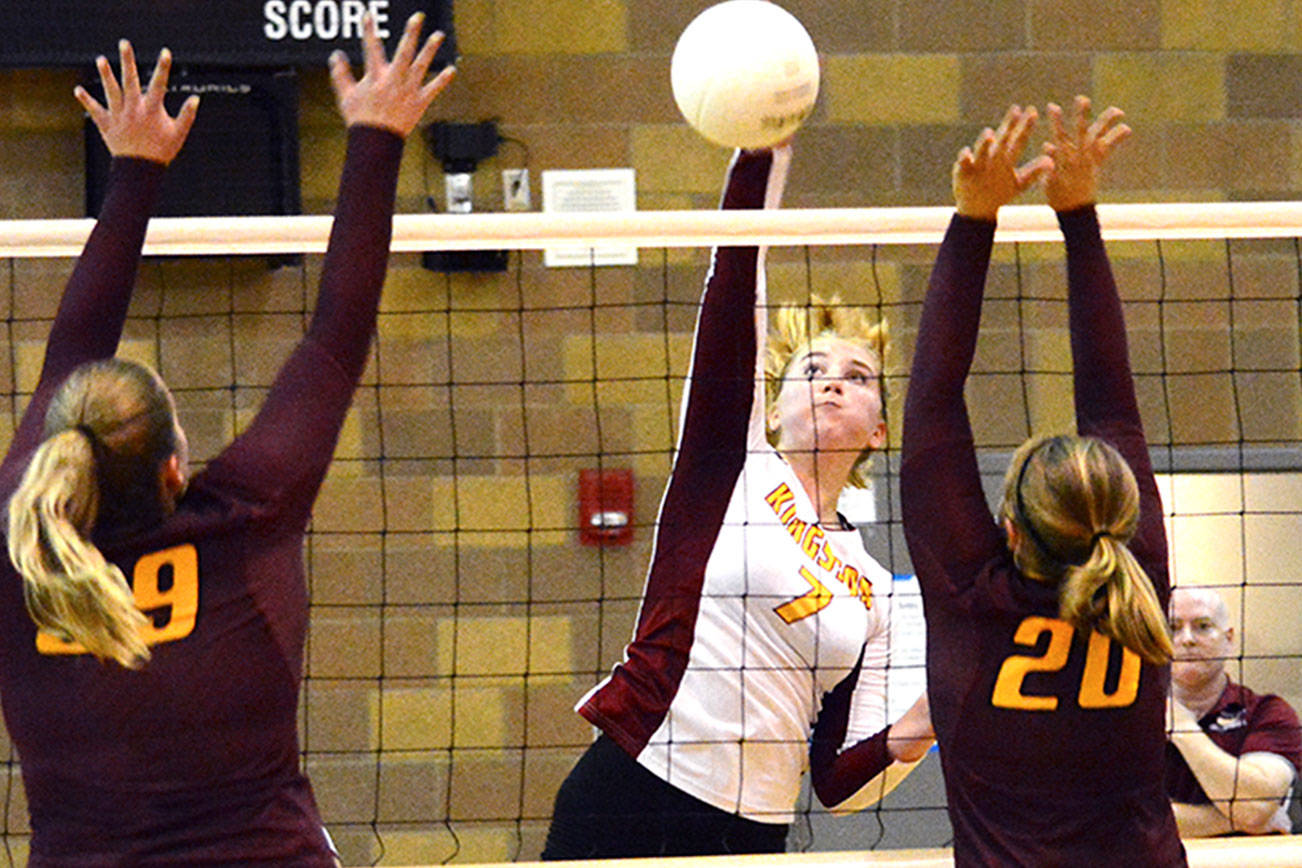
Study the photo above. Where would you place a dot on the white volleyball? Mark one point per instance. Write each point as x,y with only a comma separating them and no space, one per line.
745,73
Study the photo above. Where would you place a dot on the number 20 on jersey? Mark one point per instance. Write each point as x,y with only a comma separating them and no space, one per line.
1009,692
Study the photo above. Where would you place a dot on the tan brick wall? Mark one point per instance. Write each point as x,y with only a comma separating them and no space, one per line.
455,619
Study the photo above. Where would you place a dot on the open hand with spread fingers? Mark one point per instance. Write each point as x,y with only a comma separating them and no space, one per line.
986,175
136,124
1078,151
392,95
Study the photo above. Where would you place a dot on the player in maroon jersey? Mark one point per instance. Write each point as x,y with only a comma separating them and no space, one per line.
1046,636
153,624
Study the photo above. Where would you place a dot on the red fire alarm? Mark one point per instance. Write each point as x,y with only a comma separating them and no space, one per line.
606,507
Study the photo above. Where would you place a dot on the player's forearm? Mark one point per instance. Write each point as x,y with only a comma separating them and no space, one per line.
94,306
955,528
1104,388
356,260
910,737
947,332
719,404
852,779
875,789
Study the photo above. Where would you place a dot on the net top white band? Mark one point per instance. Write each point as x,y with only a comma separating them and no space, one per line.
208,236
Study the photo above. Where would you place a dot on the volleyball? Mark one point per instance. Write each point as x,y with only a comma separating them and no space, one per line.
745,73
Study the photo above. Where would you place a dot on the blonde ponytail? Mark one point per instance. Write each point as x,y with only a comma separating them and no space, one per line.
109,430
1128,610
71,590
1076,505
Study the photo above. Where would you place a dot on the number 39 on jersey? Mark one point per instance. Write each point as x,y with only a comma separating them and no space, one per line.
165,585
1010,688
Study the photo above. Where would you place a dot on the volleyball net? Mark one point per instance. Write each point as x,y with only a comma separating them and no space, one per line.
457,610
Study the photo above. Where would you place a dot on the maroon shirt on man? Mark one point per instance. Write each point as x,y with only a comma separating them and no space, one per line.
1047,761
1241,722
194,759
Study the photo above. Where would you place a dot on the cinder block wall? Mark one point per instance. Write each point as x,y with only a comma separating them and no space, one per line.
455,619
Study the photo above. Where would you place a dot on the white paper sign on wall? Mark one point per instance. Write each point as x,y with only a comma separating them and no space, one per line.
586,191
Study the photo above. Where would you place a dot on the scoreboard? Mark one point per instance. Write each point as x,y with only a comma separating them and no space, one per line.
233,33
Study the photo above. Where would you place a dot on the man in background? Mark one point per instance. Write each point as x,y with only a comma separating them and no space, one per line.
1232,755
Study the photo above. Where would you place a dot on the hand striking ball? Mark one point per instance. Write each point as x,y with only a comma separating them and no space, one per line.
745,74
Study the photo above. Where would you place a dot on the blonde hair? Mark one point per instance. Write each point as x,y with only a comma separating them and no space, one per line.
107,431
1076,504
795,326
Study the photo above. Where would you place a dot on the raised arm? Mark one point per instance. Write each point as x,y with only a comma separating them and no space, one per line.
384,106
720,409
1104,385
723,402
142,139
724,386
289,445
1105,391
946,520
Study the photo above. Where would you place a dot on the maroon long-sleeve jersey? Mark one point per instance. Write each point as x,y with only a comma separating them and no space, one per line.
194,758
1051,742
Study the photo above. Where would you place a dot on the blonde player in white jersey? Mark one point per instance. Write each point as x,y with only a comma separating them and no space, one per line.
764,621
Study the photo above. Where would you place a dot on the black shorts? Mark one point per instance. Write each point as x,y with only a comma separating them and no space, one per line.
610,807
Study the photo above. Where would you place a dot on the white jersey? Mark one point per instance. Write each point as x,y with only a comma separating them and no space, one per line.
752,610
